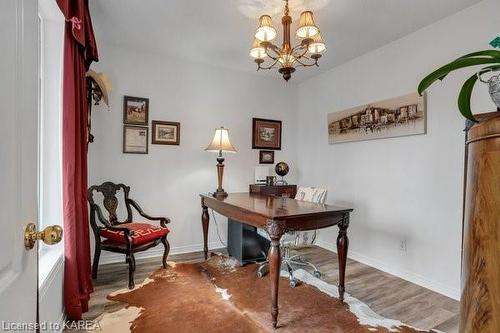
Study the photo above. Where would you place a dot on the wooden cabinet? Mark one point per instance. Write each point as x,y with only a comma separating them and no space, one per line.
276,190
480,302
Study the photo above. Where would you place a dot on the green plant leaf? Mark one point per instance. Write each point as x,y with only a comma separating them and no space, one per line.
441,72
465,94
485,53
464,98
494,54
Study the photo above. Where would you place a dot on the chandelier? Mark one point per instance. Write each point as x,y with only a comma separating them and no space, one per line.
287,58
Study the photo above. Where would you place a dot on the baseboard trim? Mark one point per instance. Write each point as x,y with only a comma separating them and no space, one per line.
57,268
110,257
403,274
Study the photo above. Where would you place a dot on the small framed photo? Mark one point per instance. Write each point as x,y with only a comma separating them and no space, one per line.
135,139
135,110
166,133
266,157
266,134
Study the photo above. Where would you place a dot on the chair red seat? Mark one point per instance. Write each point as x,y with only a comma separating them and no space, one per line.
141,233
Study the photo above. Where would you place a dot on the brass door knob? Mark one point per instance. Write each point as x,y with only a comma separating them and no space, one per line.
50,235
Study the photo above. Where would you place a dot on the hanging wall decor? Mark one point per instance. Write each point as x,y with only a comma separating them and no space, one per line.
135,110
400,116
166,133
135,139
266,134
266,157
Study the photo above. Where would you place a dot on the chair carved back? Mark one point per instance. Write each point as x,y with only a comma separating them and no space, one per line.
110,202
311,194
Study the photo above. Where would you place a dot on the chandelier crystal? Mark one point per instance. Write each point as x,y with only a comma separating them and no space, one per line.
287,58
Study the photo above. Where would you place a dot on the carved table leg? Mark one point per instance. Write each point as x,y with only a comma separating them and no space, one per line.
275,230
342,245
204,221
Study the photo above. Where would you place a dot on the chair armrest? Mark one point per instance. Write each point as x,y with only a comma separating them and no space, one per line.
163,220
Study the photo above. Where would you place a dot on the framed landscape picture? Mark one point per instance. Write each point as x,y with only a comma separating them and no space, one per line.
135,110
166,133
266,134
399,116
135,139
266,157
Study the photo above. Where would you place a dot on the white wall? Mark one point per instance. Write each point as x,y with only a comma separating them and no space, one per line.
406,188
167,181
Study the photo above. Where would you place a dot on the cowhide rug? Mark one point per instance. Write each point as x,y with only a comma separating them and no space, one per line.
220,296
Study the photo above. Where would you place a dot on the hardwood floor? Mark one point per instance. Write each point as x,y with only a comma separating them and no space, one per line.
387,295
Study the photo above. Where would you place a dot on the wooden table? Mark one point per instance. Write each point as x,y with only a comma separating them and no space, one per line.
278,215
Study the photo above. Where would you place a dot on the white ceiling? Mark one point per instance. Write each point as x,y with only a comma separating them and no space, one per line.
219,32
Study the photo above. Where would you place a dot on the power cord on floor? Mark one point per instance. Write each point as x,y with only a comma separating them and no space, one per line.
217,228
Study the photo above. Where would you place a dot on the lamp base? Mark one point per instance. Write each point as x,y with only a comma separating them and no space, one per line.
219,194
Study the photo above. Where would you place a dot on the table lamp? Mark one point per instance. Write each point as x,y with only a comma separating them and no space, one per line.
220,144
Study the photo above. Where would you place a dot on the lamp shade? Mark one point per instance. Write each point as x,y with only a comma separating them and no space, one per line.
257,51
221,142
307,28
265,31
317,45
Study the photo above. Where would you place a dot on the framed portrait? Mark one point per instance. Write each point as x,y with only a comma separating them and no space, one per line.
135,110
135,139
166,133
266,157
266,134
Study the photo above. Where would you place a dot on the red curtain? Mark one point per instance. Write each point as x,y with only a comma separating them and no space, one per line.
79,52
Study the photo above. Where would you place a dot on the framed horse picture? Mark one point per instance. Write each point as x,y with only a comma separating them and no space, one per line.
135,110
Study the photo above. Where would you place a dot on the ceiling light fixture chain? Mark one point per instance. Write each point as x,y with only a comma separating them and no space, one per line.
287,58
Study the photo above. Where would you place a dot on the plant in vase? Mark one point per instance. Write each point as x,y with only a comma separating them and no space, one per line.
490,58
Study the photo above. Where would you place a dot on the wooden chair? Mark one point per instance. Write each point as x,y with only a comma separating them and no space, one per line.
128,236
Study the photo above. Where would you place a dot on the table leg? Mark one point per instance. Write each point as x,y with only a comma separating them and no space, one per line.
204,222
342,245
275,230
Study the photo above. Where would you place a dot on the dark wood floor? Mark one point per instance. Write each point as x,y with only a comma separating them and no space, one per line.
387,295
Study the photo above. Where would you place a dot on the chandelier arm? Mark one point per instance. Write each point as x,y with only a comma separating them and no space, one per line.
268,67
300,55
303,64
275,57
299,47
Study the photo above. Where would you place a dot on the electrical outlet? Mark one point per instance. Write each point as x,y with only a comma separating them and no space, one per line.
402,245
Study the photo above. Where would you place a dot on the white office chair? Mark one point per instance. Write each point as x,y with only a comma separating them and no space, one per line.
296,239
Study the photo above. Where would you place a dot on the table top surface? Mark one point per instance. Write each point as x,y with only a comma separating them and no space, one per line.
273,207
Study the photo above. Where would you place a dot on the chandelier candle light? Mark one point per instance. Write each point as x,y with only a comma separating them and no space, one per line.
220,144
287,58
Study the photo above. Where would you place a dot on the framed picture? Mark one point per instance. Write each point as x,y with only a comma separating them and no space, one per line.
266,134
266,157
135,139
135,110
166,133
394,117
